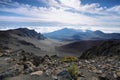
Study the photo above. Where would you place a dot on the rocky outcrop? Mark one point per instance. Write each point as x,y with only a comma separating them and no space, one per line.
108,48
12,71
21,38
24,32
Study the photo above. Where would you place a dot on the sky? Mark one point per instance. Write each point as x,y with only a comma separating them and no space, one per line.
49,15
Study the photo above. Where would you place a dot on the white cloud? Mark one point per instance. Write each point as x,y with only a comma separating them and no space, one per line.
46,29
48,15
115,9
92,8
71,3
53,3
76,4
19,19
9,3
43,29
61,15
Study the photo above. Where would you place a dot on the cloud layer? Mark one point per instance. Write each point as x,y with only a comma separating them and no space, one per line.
65,12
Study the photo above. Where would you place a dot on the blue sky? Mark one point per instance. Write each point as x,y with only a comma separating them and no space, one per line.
50,15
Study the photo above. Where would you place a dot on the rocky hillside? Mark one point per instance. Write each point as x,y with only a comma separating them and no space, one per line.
107,48
24,32
80,46
20,39
27,66
22,57
27,40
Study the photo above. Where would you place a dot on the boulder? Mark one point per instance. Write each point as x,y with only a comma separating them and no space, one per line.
54,77
64,75
1,54
94,78
37,73
29,67
118,73
99,71
12,71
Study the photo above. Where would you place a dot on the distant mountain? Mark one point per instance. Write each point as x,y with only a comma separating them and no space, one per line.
72,34
107,48
62,34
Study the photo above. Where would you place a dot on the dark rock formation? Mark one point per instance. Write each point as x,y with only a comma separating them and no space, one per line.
107,48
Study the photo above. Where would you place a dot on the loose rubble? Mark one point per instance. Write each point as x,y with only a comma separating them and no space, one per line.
100,68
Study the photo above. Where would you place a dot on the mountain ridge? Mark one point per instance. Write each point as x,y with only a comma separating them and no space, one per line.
21,38
72,34
24,32
65,32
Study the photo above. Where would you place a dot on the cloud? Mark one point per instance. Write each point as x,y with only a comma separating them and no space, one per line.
70,3
51,14
6,0
93,8
115,9
47,29
70,12
50,3
8,3
76,5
